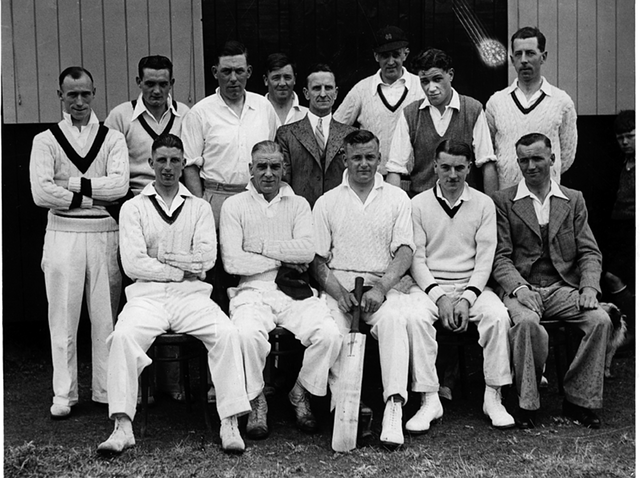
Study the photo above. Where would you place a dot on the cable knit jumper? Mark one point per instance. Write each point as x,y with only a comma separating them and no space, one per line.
554,117
257,236
458,249
152,249
361,239
56,180
364,106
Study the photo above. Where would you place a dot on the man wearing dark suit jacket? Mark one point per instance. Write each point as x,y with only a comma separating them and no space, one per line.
548,266
312,147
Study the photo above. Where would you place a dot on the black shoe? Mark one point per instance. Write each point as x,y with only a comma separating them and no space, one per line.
525,419
579,414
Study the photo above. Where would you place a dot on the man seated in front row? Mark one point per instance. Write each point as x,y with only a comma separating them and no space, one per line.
548,266
266,237
168,242
363,228
454,229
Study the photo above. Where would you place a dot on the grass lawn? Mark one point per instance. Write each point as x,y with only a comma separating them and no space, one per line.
462,444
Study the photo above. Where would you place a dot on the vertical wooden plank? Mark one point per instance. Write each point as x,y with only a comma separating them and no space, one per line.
137,31
71,38
625,55
47,56
117,72
160,28
24,36
548,24
355,58
93,51
527,13
200,67
568,47
182,51
605,58
9,113
587,68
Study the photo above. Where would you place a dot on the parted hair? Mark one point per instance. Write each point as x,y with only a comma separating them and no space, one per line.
232,48
275,61
529,139
454,148
530,32
431,58
155,62
360,136
168,141
267,147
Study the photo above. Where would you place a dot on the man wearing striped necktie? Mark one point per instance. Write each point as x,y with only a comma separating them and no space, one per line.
312,147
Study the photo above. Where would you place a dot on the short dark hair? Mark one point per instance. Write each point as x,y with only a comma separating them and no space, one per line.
530,32
454,148
155,62
529,139
317,68
275,61
431,58
360,136
625,121
168,141
74,72
232,48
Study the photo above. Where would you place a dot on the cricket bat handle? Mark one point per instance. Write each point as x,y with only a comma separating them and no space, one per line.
357,292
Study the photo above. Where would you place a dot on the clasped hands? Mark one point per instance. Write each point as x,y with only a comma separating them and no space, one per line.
453,315
370,303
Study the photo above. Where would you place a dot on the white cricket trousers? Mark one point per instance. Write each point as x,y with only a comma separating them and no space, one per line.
154,308
257,307
73,263
492,319
406,341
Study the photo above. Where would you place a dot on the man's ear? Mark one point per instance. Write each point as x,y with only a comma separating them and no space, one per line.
266,80
138,81
150,162
544,57
249,71
305,92
553,158
60,95
173,80
214,71
451,72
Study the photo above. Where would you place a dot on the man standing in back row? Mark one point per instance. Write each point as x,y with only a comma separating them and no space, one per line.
280,79
530,104
312,147
376,103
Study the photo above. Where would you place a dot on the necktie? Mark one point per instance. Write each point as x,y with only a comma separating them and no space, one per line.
320,136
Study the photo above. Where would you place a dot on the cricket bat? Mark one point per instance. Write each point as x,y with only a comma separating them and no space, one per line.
349,385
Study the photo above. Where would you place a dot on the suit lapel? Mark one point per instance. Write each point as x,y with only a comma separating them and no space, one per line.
305,135
333,144
558,211
523,208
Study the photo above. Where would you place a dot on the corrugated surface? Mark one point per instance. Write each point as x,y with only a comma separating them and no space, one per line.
108,37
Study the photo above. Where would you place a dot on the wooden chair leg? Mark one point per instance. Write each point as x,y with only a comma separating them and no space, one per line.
204,387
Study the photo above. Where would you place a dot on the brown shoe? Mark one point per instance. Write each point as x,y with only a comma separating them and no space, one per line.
299,398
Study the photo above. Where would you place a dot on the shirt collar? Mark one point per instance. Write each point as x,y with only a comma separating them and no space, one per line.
465,196
405,79
141,107
523,191
296,100
545,87
93,119
150,190
285,191
377,184
454,103
313,119
249,100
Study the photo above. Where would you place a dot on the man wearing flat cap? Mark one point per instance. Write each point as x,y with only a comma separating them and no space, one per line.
376,102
